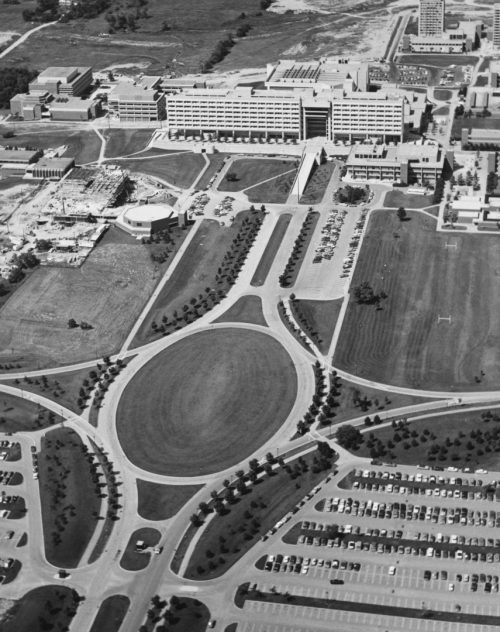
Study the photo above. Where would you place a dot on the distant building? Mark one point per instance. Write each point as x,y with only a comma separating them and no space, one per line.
73,109
431,18
496,25
463,39
19,156
72,81
50,168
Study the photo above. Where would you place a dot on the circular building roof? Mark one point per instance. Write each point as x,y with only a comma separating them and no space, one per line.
149,212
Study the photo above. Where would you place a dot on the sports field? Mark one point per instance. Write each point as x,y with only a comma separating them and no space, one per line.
439,327
108,292
213,399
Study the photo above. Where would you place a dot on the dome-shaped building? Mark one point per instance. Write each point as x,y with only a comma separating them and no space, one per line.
146,219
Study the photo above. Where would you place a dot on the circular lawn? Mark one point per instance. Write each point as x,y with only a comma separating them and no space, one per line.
206,403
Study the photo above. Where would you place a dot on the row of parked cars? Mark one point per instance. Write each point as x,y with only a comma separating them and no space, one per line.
300,564
6,477
197,206
330,234
408,511
443,492
418,477
490,581
354,244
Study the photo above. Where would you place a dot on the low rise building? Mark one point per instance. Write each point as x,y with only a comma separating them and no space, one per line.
72,80
50,168
407,163
147,219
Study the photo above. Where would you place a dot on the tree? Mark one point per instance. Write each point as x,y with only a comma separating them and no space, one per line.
231,176
401,213
72,323
349,437
364,294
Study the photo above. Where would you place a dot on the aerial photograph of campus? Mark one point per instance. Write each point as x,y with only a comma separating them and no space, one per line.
249,315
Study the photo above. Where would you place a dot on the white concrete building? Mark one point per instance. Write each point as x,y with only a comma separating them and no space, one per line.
431,18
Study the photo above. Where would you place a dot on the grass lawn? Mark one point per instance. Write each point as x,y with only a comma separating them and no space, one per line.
397,198
108,291
83,145
159,502
272,247
188,615
70,500
300,250
213,398
266,502
63,388
442,94
317,183
216,162
252,171
275,191
442,61
320,318
196,271
53,606
460,439
122,142
21,415
247,309
424,278
181,170
111,613
133,560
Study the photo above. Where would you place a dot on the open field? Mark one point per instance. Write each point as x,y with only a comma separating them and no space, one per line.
275,191
231,535
21,415
247,309
442,94
426,275
214,398
321,317
271,250
133,560
216,162
181,169
460,439
108,291
252,171
70,500
36,610
82,144
397,198
160,502
63,388
122,142
111,613
196,271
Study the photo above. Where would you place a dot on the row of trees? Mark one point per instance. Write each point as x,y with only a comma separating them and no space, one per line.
303,320
13,81
318,397
220,51
364,294
286,278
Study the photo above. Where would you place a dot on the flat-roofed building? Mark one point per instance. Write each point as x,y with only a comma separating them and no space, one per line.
50,168
73,80
19,156
323,74
407,163
431,17
72,109
137,103
496,25
463,39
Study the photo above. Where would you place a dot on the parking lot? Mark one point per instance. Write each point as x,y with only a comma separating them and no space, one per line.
396,537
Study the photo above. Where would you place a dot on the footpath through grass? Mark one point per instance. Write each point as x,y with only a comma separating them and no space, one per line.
228,536
44,608
159,502
271,250
276,191
111,613
247,172
181,169
70,497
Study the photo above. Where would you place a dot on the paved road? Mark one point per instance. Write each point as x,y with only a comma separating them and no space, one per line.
24,37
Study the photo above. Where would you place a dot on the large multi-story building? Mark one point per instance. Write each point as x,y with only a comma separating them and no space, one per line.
496,25
431,18
72,81
137,102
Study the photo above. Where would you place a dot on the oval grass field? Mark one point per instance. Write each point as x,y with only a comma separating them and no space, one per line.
206,403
